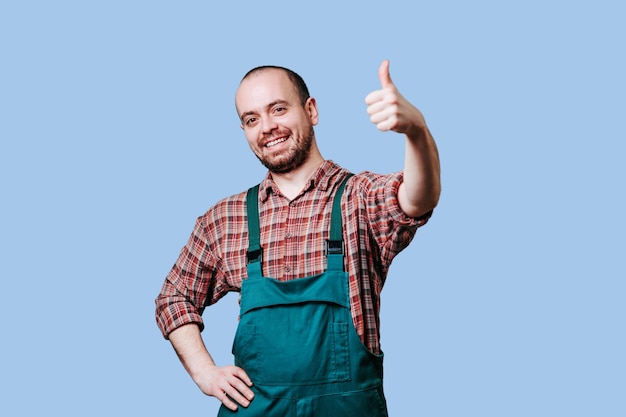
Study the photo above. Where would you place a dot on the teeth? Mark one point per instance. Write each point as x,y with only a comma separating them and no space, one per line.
275,142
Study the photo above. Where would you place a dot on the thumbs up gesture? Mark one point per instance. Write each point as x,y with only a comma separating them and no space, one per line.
388,110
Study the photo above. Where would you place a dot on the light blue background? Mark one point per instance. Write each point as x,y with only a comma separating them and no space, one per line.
117,129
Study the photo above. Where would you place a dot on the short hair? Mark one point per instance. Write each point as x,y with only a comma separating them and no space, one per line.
296,80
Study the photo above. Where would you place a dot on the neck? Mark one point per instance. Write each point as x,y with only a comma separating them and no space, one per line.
291,183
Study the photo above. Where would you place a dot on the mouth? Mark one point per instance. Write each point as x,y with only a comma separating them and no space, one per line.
276,141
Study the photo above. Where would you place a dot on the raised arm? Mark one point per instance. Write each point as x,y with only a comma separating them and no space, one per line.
389,110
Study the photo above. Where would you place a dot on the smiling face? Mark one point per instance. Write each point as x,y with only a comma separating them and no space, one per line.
278,127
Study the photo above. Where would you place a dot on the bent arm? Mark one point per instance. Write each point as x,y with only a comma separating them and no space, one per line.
179,306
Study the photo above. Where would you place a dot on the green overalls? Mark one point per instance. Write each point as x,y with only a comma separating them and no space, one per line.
297,342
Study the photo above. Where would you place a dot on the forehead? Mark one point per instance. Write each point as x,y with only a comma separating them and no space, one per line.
264,87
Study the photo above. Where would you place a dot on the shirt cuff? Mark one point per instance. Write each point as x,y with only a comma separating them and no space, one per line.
171,320
391,196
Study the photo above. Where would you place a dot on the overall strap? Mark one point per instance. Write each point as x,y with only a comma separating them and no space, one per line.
334,245
255,253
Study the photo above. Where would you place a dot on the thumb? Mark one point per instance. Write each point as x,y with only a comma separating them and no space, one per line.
383,74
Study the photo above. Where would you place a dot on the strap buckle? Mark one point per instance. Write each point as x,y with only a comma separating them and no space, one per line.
255,255
334,247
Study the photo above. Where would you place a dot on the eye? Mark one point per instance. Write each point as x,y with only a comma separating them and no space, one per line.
250,121
280,109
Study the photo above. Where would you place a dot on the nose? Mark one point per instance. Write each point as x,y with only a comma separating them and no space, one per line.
268,124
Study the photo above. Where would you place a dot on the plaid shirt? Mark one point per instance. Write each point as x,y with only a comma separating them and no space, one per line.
293,238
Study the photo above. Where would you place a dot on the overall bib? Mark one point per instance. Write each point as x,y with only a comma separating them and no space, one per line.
297,341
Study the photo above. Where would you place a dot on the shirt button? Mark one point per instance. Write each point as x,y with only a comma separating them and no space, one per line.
287,269
288,236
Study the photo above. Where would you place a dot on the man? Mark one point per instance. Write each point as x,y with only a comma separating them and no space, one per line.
310,272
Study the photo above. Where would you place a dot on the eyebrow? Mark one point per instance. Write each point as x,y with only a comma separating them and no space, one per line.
269,106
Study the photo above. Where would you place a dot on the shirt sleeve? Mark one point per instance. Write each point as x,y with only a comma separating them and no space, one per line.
391,186
389,226
184,293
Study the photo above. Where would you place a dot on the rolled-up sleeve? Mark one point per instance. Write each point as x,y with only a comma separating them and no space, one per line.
193,276
392,229
392,203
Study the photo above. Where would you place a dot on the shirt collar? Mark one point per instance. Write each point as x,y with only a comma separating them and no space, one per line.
320,179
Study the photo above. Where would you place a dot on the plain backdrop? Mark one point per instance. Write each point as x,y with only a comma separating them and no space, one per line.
118,129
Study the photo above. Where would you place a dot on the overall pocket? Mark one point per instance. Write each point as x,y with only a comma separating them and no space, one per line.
295,354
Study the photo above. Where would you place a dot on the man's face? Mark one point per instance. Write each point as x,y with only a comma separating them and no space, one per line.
279,129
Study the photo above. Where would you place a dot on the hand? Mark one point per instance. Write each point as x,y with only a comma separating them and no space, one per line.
227,383
388,110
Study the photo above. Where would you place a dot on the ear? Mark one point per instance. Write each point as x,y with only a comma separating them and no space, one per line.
311,108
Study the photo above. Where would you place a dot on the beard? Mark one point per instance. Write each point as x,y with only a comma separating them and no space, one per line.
293,158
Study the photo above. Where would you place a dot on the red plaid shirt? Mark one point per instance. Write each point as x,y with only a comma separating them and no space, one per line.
293,238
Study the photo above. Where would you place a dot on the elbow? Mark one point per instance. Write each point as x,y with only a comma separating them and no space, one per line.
422,210
422,206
